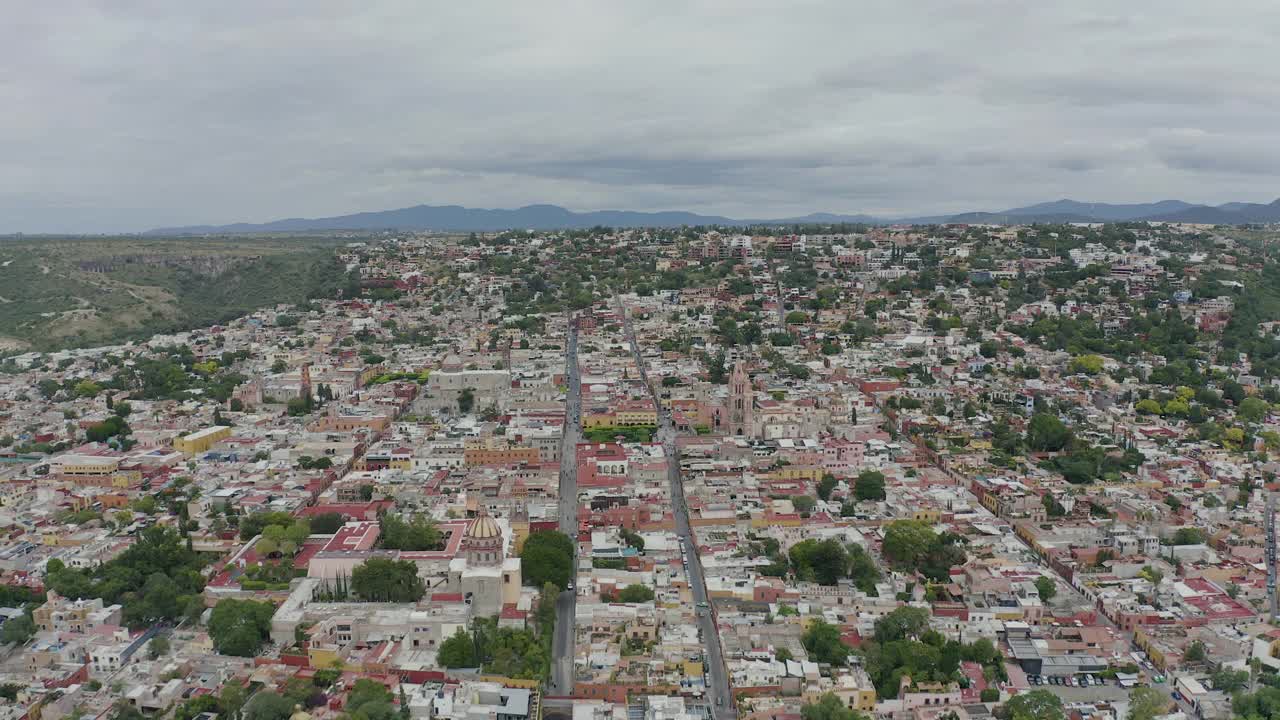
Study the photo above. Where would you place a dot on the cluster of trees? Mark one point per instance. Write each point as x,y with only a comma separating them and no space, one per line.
631,538
157,579
253,525
306,462
1086,463
501,651
631,434
239,627
1262,704
826,562
913,545
171,375
283,539
1187,536
1079,461
386,580
113,427
326,523
829,707
18,629
869,486
823,643
227,703
305,404
904,645
419,533
547,557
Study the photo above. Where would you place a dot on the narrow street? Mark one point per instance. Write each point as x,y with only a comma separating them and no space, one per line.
722,706
562,674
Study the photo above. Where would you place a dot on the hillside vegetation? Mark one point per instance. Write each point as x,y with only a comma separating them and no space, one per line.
57,293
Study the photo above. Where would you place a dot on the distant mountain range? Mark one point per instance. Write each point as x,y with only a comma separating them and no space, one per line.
553,217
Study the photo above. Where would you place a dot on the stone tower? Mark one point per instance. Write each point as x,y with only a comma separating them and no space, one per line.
740,400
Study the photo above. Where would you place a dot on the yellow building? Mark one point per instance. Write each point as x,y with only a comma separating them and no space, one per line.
201,440
855,690
73,466
636,417
812,473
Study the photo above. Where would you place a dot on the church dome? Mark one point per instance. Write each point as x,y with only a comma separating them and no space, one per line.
484,528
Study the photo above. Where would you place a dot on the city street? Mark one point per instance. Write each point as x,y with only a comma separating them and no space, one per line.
562,675
722,705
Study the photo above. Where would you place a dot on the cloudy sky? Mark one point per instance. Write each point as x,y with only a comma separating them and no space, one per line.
122,115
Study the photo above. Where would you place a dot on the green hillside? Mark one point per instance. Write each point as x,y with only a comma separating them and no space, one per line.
57,293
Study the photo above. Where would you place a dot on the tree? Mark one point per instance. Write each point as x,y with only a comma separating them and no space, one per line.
385,580
458,651
906,542
717,372
1196,652
1228,680
124,710
1147,406
869,486
419,533
989,695
1253,409
1046,587
1261,705
863,569
232,698
267,705
1189,536
18,630
254,524
631,538
826,486
158,647
803,503
1046,433
1035,705
195,707
822,642
547,557
824,562
829,707
904,623
1087,364
326,523
1148,703
1233,391
369,699
239,627
466,400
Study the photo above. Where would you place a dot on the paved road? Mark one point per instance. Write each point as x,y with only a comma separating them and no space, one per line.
562,675
722,705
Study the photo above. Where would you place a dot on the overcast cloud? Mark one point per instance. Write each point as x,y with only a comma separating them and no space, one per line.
123,115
